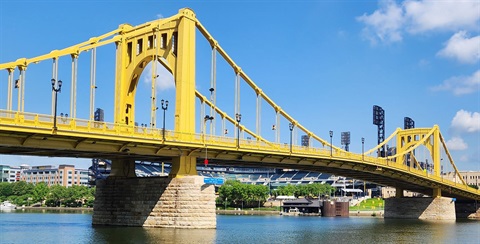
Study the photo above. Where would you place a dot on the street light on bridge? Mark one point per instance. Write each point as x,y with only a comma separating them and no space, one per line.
56,87
291,126
238,118
164,104
363,148
207,117
331,145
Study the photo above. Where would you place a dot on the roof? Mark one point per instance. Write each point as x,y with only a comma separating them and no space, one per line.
352,190
302,203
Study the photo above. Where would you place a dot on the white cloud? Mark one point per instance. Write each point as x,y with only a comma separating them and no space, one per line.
465,121
462,48
159,16
391,19
441,15
456,144
461,85
164,80
384,24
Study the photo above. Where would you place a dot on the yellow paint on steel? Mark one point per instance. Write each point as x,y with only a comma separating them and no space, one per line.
171,41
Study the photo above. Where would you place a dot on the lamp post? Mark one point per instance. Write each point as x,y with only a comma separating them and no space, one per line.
331,146
207,117
64,118
56,87
238,117
290,126
164,107
363,148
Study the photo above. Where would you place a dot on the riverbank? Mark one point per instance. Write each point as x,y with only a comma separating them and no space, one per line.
221,212
378,213
56,208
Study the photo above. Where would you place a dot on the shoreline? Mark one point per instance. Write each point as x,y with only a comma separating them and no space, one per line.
374,214
56,208
378,213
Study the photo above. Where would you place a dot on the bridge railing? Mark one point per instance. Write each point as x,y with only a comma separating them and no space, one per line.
65,124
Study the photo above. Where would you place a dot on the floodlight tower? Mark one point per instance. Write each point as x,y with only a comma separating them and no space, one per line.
379,121
346,139
408,123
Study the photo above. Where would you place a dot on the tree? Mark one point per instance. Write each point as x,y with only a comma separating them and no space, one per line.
57,196
234,193
6,190
40,192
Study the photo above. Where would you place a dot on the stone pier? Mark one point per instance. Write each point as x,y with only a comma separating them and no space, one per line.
182,202
437,208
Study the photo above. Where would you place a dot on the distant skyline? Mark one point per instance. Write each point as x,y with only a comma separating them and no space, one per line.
326,63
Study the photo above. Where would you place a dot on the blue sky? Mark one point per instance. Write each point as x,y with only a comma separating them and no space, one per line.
324,62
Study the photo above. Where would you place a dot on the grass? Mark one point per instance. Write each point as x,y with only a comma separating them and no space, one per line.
371,204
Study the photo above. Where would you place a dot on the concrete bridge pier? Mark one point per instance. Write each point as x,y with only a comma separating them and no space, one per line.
178,201
428,208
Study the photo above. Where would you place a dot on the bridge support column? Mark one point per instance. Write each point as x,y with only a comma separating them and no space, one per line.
183,166
123,168
437,192
183,202
436,208
398,192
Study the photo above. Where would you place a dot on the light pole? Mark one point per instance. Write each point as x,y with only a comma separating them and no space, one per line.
207,117
164,107
56,87
63,117
238,117
363,148
331,146
290,126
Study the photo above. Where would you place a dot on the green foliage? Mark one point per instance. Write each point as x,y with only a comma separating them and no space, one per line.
22,193
310,190
370,205
6,190
234,193
473,186
40,192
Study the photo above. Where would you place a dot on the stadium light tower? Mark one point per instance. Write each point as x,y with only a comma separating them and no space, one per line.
379,121
408,123
346,139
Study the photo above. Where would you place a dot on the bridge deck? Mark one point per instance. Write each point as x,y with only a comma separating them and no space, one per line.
32,134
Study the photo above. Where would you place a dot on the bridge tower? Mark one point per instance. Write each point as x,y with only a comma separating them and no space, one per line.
183,200
171,42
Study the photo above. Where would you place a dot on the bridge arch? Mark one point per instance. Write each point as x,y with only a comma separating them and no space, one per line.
169,41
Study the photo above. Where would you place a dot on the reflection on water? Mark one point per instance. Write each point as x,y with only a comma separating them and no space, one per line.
37,227
152,235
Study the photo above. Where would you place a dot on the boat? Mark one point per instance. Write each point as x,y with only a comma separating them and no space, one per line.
291,212
7,206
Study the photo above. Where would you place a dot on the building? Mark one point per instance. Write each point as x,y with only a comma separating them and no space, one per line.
470,177
302,206
11,173
65,175
99,115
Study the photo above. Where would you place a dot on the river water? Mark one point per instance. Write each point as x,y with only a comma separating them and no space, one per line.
73,227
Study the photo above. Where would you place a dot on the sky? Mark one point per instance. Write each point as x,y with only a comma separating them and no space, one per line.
326,63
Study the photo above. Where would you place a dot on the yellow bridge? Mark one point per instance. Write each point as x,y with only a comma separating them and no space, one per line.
172,43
